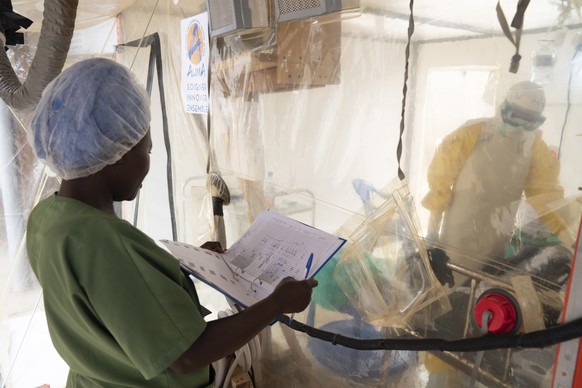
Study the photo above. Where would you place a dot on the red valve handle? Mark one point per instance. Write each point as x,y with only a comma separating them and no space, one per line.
505,315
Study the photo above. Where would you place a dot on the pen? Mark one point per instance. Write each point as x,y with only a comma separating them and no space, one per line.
307,269
308,265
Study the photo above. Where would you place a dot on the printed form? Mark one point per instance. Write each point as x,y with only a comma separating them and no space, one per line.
273,248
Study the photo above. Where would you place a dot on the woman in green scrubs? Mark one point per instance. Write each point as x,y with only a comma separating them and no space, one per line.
120,312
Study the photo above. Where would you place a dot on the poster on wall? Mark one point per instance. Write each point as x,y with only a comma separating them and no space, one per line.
195,55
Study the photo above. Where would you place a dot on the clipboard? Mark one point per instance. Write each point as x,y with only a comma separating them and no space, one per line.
273,248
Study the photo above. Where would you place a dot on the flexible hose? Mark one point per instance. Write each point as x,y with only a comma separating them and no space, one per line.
55,39
536,339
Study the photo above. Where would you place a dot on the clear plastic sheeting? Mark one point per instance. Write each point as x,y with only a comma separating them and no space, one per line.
23,182
385,270
89,13
305,118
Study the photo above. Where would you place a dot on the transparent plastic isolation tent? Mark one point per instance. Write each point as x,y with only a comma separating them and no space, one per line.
334,120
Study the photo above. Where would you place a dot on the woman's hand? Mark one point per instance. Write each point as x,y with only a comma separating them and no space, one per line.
293,296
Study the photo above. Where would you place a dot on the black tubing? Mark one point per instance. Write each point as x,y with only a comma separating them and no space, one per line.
536,339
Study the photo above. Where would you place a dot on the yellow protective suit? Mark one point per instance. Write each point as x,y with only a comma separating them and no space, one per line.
477,178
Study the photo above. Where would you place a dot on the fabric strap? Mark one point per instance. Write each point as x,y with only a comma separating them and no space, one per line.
516,23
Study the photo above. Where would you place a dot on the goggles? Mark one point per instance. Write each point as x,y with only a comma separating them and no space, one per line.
520,117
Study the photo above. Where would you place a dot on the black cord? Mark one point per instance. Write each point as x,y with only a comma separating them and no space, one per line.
568,100
536,339
401,174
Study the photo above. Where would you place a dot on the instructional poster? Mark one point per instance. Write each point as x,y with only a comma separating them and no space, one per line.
195,56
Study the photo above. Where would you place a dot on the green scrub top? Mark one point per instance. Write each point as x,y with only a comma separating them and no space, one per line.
119,309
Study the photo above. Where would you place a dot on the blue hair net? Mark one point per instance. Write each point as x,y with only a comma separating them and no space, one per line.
88,117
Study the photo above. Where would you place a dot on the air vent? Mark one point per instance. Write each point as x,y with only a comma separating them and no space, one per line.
240,16
221,14
303,9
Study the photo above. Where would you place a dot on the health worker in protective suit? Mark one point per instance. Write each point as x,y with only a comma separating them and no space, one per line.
479,174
